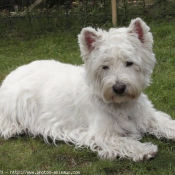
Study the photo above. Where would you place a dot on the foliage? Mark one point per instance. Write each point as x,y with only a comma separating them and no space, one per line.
69,14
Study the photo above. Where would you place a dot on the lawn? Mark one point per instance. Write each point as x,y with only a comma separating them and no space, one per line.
22,154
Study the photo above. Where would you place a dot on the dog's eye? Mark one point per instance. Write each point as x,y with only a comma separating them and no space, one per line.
105,67
129,63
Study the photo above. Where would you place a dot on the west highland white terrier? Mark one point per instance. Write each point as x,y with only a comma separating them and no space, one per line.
99,105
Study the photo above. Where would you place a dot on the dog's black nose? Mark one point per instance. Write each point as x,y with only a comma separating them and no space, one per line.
119,88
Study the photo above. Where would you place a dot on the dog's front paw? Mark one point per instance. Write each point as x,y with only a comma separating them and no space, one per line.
132,150
163,126
148,151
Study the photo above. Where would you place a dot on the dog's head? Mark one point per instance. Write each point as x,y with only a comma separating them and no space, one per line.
118,63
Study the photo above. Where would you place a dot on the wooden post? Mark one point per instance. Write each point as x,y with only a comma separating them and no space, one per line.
114,12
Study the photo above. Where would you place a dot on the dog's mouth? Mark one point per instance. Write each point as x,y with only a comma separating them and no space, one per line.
129,93
118,98
114,98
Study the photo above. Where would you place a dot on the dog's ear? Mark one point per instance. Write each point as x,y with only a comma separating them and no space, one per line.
87,37
140,29
87,40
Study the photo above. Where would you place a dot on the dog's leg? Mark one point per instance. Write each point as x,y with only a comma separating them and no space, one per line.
103,137
18,110
153,122
111,147
162,126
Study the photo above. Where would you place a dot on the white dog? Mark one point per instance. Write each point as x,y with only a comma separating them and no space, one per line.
99,104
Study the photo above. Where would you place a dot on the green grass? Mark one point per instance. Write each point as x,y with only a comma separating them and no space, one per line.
32,154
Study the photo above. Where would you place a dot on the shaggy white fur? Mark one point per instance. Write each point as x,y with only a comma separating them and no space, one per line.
99,104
